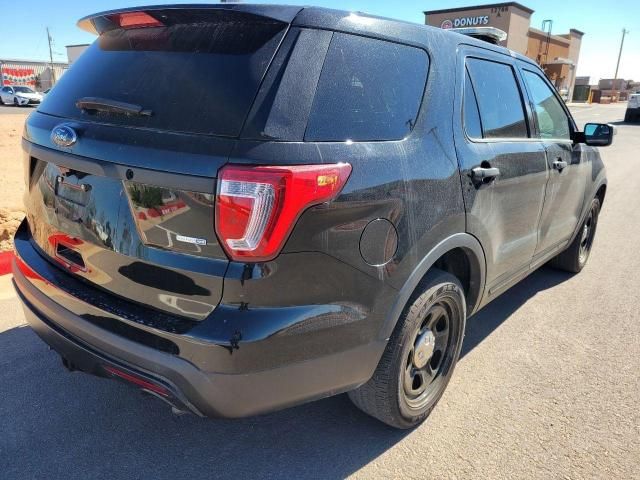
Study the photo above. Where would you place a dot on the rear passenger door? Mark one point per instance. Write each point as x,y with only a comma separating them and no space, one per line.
504,169
567,178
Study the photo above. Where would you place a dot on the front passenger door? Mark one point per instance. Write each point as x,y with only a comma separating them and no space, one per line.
564,196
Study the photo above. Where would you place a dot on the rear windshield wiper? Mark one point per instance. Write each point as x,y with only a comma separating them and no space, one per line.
95,104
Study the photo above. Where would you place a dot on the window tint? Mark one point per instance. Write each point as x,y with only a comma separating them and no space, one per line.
368,90
471,115
552,120
499,99
199,74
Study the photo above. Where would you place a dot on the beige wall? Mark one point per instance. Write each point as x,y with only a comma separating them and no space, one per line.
74,51
536,48
575,42
518,29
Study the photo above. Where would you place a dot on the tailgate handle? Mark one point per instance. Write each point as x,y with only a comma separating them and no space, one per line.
69,256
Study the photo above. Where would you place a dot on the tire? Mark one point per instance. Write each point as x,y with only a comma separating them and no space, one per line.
627,116
574,258
400,394
15,102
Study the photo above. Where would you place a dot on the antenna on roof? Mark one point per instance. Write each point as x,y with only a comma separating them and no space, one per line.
488,34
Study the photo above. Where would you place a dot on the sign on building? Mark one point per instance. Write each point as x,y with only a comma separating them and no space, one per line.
18,76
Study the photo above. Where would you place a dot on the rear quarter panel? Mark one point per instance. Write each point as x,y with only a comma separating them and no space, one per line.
414,183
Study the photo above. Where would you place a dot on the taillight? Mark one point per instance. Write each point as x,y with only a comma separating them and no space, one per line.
257,207
135,20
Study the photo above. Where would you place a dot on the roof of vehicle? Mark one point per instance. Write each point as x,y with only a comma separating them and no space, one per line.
325,18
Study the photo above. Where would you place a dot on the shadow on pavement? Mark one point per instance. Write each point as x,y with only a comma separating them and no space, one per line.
628,124
56,424
481,325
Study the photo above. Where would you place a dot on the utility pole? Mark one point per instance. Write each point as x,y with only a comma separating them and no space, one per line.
615,77
53,72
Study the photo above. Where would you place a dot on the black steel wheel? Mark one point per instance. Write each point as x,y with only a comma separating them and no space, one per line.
575,257
426,359
420,355
587,235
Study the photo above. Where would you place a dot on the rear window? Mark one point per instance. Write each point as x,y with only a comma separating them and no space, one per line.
195,76
368,90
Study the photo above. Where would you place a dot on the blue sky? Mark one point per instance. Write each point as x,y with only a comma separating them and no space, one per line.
22,31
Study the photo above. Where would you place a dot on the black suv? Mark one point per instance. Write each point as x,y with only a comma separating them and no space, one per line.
240,208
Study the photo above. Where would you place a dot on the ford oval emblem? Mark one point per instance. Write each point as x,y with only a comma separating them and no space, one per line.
64,136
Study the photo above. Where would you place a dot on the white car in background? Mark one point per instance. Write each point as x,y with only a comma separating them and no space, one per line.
19,95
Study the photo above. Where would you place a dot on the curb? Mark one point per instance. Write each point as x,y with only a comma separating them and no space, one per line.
5,262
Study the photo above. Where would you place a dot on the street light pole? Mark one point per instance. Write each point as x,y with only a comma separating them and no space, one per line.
615,77
53,72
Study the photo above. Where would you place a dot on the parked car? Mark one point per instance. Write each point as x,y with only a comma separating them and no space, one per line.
317,209
19,95
633,108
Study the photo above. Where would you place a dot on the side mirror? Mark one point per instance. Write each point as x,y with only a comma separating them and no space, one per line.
598,134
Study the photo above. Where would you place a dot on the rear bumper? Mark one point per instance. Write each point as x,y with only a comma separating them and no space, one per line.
90,348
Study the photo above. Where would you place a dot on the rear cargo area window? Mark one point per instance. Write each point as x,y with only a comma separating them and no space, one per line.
368,90
199,73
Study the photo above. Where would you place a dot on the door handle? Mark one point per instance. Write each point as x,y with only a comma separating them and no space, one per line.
484,173
559,165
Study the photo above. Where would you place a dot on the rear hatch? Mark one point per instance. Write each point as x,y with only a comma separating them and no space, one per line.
156,105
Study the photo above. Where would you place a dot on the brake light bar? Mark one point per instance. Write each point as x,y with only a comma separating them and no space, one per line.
135,20
257,207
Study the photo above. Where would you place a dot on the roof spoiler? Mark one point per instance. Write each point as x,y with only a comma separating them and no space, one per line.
157,15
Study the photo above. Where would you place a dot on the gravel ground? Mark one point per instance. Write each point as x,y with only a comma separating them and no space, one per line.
11,180
548,387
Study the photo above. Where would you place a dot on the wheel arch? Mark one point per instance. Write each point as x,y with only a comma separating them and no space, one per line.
460,254
601,192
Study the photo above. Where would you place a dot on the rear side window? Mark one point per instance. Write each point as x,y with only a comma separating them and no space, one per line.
198,74
552,119
471,114
368,90
499,100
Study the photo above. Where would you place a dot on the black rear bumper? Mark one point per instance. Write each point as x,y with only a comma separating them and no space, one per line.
88,347
77,355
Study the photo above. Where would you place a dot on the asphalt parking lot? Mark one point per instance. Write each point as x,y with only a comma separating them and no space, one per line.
548,387
11,110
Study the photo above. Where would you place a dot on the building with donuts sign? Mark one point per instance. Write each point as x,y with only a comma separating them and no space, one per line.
557,54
